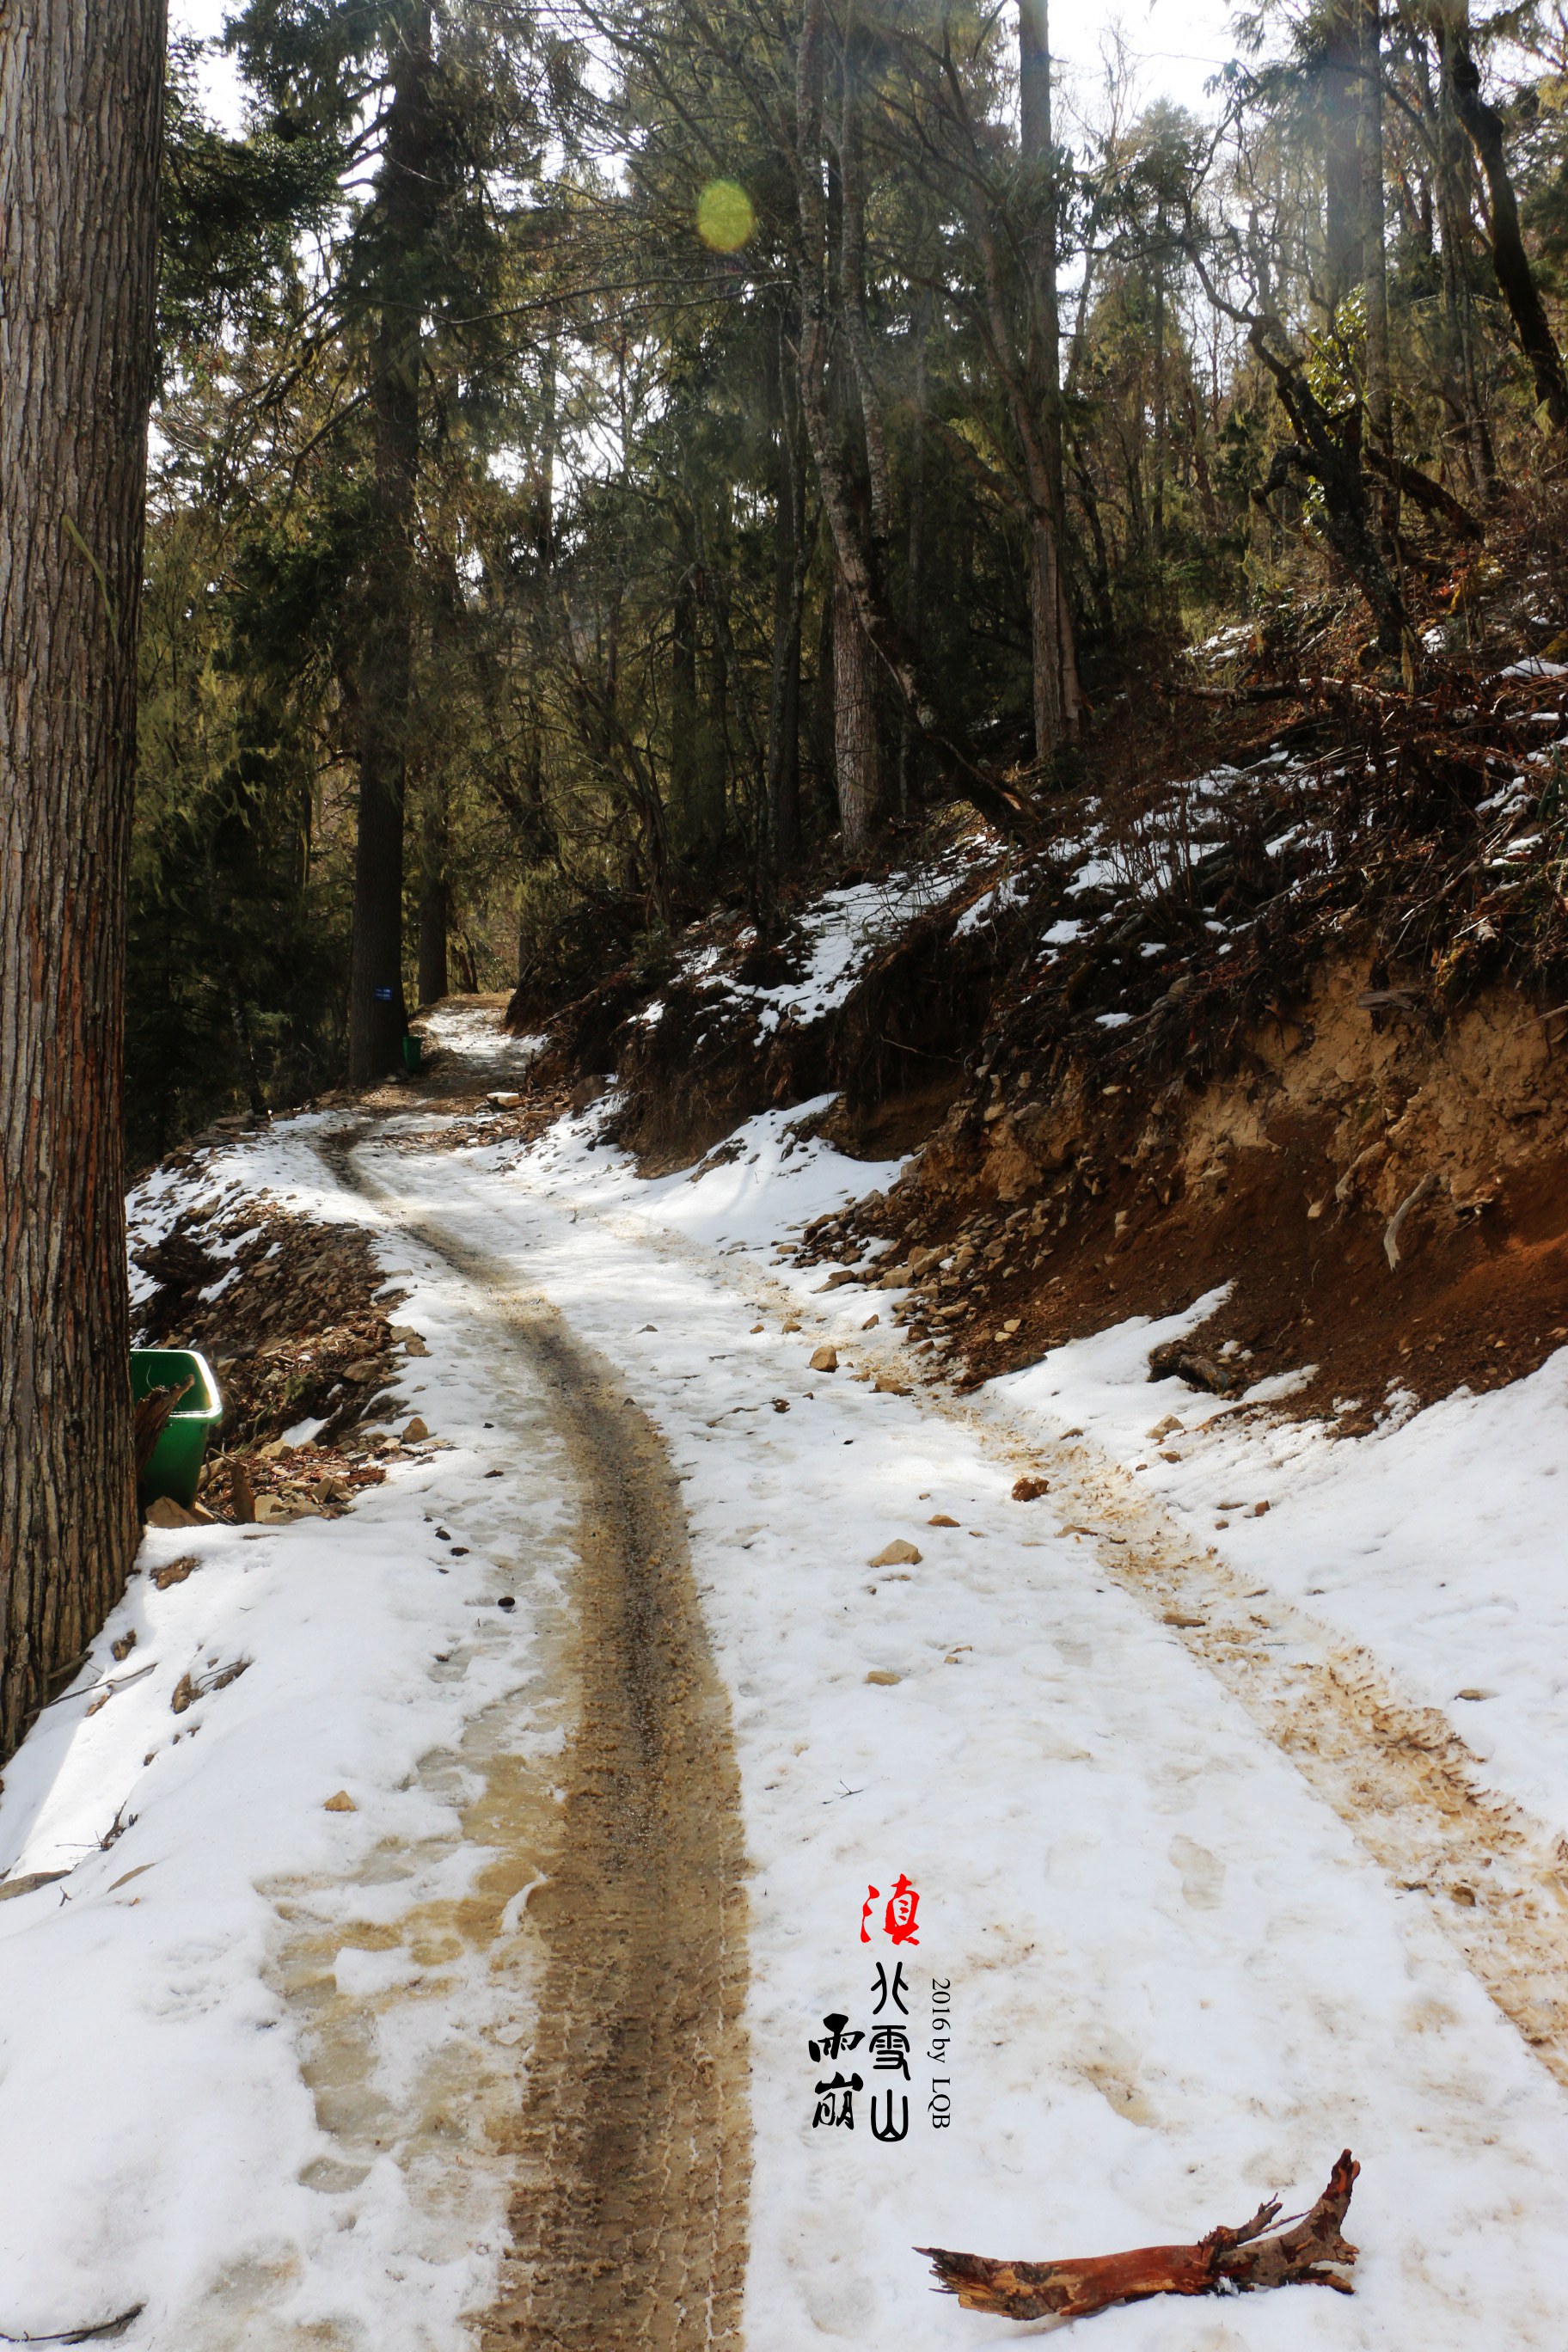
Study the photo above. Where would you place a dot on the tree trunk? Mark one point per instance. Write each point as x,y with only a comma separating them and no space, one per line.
435,787
544,470
1515,277
855,567
857,745
871,435
789,602
434,916
1054,656
80,111
822,699
1157,481
1340,87
1328,450
914,560
1099,569
685,748
1374,227
1460,386
1374,295
1196,428
713,734
405,202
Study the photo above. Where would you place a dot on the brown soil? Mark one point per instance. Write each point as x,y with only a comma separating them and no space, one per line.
1282,1181
299,1334
630,2223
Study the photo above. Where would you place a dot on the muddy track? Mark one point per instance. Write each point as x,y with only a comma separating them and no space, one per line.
629,2217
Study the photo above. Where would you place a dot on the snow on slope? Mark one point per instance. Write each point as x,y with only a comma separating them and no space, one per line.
841,931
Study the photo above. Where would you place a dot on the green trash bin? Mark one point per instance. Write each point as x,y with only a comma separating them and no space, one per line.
410,1051
175,1466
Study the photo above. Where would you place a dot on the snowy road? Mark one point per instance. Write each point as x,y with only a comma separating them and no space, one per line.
1181,1981
630,2137
1182,1931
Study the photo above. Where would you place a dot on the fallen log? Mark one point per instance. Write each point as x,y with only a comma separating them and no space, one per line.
1308,2251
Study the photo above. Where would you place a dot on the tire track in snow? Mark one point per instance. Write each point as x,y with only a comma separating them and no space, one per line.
629,2218
1415,1797
1397,1774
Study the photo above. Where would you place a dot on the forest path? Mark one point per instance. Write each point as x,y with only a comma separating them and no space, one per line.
945,1705
633,2153
1493,1879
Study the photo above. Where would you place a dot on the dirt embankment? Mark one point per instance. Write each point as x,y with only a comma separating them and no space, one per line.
1276,1006
1386,1196
296,1321
691,1059
1381,1181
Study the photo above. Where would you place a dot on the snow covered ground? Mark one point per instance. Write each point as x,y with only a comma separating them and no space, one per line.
1439,1542
228,2035
1159,1977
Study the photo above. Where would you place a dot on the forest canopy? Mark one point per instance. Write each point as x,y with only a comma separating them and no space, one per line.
613,460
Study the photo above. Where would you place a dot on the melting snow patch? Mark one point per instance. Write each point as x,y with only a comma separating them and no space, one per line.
1009,892
843,931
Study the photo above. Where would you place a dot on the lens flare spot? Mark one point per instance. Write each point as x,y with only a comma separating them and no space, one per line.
724,216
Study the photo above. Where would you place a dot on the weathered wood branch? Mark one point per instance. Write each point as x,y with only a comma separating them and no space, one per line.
1311,2251
152,1416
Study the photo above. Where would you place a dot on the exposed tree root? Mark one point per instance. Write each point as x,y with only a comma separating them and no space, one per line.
1308,2251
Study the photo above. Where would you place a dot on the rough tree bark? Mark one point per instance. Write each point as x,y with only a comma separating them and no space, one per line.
858,765
713,763
80,113
1162,398
406,199
914,545
685,720
1339,83
435,791
857,737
